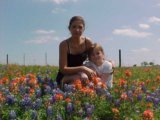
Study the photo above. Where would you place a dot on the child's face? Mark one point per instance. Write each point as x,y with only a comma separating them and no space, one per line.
97,57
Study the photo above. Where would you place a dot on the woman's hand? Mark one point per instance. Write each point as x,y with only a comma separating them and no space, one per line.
90,73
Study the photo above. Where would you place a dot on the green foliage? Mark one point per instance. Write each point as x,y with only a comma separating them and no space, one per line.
144,81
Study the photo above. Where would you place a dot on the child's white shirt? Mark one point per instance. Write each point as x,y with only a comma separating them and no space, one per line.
106,67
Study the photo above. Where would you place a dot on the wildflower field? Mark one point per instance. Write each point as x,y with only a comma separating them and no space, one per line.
31,93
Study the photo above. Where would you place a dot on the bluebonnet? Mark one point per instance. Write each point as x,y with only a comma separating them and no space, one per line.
48,89
69,108
22,89
143,88
69,88
156,102
49,111
58,117
130,93
37,104
12,115
117,102
10,99
34,115
55,85
38,93
100,91
39,79
6,91
27,89
89,109
80,112
26,102
110,97
139,97
148,98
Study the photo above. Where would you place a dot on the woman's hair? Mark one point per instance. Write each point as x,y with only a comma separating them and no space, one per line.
95,46
76,18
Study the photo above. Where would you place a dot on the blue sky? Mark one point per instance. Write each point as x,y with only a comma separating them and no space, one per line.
34,28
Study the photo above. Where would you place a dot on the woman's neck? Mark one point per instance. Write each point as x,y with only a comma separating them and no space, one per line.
75,40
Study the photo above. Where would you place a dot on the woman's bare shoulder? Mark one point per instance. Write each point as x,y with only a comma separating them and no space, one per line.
63,43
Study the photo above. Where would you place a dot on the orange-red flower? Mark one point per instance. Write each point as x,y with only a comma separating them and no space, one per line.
122,82
115,111
148,115
68,100
116,90
4,80
148,81
124,96
31,91
78,84
147,69
149,105
77,102
153,88
59,96
128,73
158,78
2,98
95,80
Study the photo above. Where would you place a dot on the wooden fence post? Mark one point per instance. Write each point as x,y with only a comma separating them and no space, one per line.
119,57
7,59
46,59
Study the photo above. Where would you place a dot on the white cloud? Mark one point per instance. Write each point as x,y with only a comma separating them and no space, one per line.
131,33
158,4
58,10
43,36
58,1
41,31
144,26
158,40
154,19
141,50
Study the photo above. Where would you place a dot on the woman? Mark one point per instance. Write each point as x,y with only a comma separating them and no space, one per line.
73,52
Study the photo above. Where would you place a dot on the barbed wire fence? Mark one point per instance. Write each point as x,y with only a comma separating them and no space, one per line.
32,60
25,60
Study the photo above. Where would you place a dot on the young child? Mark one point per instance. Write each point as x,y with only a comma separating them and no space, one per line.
97,62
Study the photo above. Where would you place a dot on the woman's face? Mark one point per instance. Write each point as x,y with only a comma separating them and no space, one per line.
97,57
76,28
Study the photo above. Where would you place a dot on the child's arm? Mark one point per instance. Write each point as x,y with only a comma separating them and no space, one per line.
104,77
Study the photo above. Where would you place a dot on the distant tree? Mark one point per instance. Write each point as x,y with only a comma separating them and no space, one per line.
144,63
151,63
134,65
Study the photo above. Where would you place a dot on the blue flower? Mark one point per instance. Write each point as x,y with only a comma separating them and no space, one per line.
139,97
49,111
69,108
10,99
34,115
12,115
38,93
117,103
59,117
37,104
48,89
